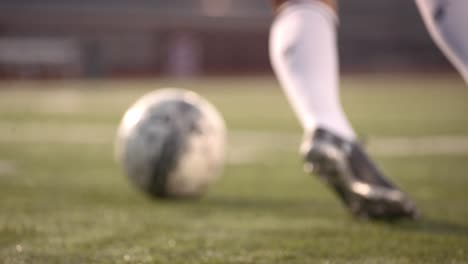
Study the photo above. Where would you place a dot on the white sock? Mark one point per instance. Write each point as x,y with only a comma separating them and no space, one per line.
303,53
447,23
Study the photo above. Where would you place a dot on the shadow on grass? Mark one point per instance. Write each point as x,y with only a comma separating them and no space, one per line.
435,227
305,207
259,203
282,206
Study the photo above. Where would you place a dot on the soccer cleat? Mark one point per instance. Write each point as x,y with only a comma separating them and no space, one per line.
357,181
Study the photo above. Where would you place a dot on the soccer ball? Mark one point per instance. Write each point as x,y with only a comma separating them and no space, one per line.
171,143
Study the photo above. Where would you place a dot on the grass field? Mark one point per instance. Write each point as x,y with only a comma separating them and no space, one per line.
64,200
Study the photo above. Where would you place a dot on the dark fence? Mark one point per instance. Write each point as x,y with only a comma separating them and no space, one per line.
103,38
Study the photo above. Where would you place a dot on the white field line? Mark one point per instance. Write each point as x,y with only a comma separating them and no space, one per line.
7,167
58,133
244,146
427,145
254,145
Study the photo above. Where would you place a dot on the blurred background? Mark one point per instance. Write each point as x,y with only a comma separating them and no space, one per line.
69,69
190,38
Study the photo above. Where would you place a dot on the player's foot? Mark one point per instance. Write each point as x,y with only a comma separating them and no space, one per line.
345,167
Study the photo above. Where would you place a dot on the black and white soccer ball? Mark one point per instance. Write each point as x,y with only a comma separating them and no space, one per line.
171,143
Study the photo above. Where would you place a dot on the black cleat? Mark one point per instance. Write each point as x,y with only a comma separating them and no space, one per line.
358,182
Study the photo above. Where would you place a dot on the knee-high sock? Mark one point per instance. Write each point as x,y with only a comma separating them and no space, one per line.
447,23
303,52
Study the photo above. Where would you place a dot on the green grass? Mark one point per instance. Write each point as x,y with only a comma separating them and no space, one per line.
64,200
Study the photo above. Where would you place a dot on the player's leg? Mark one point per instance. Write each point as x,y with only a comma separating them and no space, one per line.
303,51
447,23
304,55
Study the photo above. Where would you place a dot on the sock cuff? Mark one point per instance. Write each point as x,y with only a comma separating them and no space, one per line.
325,10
